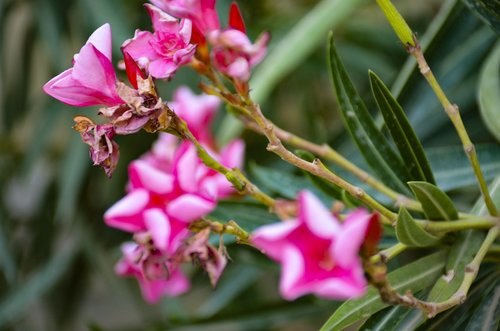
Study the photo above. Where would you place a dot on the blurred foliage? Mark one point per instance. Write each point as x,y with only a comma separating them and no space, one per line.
56,255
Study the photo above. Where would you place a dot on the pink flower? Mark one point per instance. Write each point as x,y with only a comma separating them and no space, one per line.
92,80
197,110
201,12
183,190
156,274
233,53
165,50
318,253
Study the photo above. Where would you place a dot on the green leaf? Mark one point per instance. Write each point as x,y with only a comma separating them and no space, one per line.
436,204
248,215
410,233
414,276
358,121
284,183
386,320
452,168
488,92
289,53
488,10
402,133
487,315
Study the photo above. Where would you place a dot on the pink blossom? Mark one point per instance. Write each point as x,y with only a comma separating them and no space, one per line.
318,254
197,110
201,12
166,49
92,80
157,275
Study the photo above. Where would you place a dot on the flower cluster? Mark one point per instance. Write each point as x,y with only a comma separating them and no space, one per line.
168,189
318,253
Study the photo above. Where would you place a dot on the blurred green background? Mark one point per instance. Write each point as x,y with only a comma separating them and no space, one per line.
57,256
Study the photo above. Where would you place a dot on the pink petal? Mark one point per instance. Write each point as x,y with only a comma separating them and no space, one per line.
189,207
158,226
341,289
101,39
271,238
154,290
233,154
139,47
348,243
292,271
186,168
162,68
239,69
144,175
319,220
126,214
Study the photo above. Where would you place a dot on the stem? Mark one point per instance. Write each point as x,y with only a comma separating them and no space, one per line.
234,176
315,167
459,225
389,253
454,115
326,152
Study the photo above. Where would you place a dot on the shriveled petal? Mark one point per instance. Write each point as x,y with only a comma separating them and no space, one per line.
154,290
318,219
101,39
144,175
189,207
158,226
126,214
353,233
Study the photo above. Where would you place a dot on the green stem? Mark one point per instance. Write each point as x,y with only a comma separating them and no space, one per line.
389,253
459,225
411,43
234,176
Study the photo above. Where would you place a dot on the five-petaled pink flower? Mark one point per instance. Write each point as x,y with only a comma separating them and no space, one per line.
92,80
201,12
318,253
161,53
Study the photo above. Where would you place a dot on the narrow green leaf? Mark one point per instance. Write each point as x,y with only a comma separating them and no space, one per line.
402,133
386,320
488,10
410,233
488,92
248,215
414,276
358,121
487,315
436,204
452,168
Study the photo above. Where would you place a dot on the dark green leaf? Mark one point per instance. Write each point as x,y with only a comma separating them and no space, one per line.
452,168
386,320
402,133
488,93
375,148
436,204
414,276
410,233
248,215
488,10
487,315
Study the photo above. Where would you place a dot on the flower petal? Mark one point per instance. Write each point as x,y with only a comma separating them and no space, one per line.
158,226
143,175
319,220
126,214
189,207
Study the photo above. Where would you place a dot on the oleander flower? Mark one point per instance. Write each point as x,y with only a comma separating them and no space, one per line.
201,12
92,79
162,52
233,53
318,254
